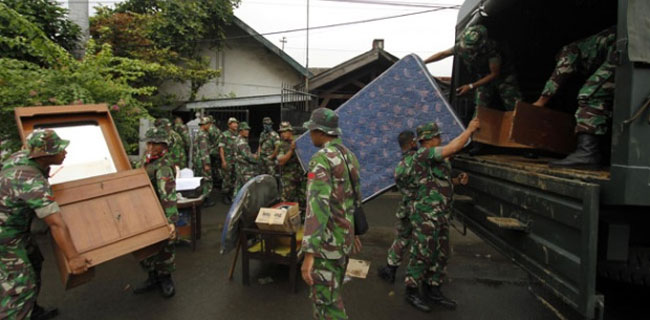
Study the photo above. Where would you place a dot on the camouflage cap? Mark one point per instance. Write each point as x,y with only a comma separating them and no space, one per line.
40,143
156,135
285,126
204,120
232,119
244,126
211,118
324,120
427,131
267,120
162,123
473,37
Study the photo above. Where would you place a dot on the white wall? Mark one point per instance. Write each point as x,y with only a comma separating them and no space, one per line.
248,69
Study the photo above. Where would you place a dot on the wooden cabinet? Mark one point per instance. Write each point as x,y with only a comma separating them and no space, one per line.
108,215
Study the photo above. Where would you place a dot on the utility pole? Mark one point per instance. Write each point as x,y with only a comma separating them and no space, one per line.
283,41
307,63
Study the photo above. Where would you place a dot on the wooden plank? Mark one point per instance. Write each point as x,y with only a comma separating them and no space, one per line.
495,128
543,128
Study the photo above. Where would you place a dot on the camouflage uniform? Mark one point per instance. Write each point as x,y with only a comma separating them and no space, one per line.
161,173
477,52
292,176
329,221
24,192
184,132
588,57
201,158
176,152
246,164
269,140
214,135
406,184
227,142
429,220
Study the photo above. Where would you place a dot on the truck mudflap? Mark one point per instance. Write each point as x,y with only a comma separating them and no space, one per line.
548,225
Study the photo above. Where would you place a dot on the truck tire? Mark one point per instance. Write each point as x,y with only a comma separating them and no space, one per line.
635,271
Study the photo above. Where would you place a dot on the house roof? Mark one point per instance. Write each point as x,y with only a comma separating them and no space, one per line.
356,63
270,46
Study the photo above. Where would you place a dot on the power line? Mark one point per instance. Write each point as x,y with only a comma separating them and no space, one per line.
392,3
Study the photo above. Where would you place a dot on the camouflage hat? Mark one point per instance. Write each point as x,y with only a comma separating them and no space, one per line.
156,135
267,120
46,142
162,123
473,37
244,126
285,126
211,118
232,119
427,131
204,120
324,120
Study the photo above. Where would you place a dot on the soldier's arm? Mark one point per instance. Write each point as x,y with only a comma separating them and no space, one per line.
459,142
38,196
440,55
319,190
285,157
495,70
276,150
166,186
61,234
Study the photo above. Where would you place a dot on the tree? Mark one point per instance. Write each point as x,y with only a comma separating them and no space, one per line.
51,18
50,76
170,33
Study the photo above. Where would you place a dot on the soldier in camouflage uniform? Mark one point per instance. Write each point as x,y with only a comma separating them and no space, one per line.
430,216
214,135
493,74
246,162
25,193
590,57
176,150
268,149
160,169
182,129
227,155
201,158
292,176
329,223
406,184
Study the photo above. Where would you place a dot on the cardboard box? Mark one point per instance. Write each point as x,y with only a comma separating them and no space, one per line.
284,216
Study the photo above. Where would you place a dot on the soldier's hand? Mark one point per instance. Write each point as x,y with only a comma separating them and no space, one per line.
207,168
463,90
79,264
463,178
356,248
473,125
293,144
224,165
172,231
307,266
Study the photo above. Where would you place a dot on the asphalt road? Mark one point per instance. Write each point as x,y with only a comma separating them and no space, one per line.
485,284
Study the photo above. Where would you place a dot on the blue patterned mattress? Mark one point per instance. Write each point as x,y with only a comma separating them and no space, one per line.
401,98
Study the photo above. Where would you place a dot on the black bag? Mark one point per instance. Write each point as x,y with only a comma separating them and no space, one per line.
360,222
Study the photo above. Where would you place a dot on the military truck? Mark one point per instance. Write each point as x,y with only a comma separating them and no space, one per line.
571,227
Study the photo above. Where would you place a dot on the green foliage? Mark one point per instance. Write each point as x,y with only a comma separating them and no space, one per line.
169,33
21,39
49,76
49,17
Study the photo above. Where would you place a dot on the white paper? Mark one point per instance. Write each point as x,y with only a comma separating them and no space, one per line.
187,173
183,184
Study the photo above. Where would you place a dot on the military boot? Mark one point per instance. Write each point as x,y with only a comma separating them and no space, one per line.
415,299
587,154
40,313
387,273
151,283
434,295
167,286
